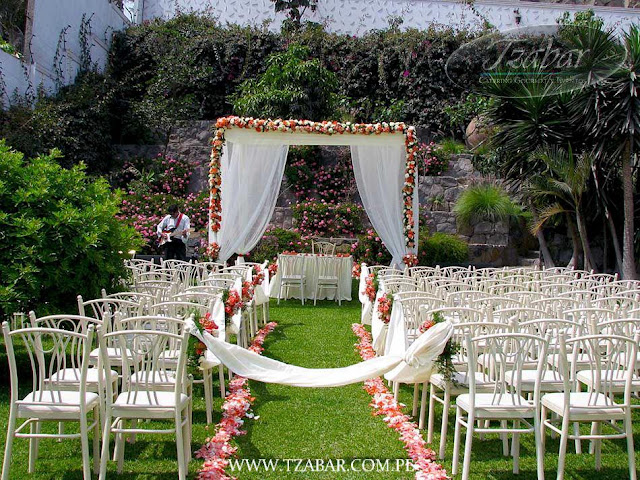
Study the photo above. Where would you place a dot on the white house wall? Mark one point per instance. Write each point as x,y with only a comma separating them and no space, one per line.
355,17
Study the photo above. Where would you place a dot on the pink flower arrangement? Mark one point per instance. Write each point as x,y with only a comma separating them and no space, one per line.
410,259
384,307
386,406
218,449
258,276
371,287
356,270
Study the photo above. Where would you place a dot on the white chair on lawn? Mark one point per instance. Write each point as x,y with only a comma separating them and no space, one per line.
145,394
505,403
51,351
292,274
328,270
609,374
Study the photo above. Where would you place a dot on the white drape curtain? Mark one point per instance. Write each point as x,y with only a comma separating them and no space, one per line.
379,172
251,178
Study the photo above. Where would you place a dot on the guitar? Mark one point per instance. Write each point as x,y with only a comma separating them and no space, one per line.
168,235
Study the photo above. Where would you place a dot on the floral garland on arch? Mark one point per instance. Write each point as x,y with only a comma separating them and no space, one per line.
324,128
237,404
386,406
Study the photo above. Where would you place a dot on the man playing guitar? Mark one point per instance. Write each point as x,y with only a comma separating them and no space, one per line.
173,232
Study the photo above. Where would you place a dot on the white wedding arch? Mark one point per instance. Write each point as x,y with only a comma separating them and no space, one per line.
247,164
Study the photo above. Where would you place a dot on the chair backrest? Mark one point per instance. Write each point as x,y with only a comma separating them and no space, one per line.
291,265
459,314
507,355
71,323
180,309
144,357
323,248
49,350
612,360
158,323
136,297
99,307
328,266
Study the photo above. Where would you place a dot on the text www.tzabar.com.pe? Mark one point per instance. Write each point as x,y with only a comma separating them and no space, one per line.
321,465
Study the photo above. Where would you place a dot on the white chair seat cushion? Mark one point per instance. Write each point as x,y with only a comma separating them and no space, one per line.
150,378
59,404
613,380
148,404
461,382
583,405
582,360
329,279
72,376
488,405
114,354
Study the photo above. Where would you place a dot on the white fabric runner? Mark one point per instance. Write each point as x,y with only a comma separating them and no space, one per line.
414,366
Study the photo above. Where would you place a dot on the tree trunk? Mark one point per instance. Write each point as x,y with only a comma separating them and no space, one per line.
589,264
542,241
575,241
610,223
628,259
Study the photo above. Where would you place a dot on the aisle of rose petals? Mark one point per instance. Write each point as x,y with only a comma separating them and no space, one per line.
383,403
218,449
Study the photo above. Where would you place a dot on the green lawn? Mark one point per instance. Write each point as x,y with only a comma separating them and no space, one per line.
298,423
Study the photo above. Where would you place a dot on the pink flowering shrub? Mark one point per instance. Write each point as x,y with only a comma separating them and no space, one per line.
369,248
150,187
430,161
309,179
323,219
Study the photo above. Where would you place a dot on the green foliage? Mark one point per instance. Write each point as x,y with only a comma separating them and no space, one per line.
275,241
450,146
12,23
441,249
486,202
294,9
62,235
293,86
462,112
75,121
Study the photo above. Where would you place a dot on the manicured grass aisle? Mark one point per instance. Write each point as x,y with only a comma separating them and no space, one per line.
307,423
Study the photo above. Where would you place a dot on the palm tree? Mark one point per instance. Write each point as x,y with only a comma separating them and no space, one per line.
609,109
562,188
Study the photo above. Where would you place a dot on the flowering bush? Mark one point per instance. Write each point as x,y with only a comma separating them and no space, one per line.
430,160
370,249
275,241
322,219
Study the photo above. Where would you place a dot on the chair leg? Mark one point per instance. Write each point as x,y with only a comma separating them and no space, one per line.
628,427
118,451
187,444
516,448
423,405
432,413
208,394
221,380
96,441
445,422
466,464
538,431
597,444
84,441
104,456
8,447
576,432
180,446
34,428
563,447
416,393
505,439
456,442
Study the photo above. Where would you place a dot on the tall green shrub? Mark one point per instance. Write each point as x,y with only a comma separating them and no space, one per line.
293,86
60,234
441,249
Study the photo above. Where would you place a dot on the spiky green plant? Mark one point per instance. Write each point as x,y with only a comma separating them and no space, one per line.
485,201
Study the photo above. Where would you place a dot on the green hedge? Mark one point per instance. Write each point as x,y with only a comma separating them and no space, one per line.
442,249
